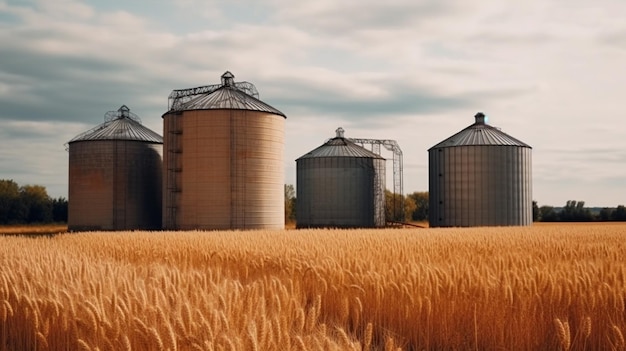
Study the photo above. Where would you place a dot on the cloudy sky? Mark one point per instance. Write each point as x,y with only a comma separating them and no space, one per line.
551,73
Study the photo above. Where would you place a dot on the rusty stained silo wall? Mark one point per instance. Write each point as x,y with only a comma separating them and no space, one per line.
114,185
480,177
223,169
346,192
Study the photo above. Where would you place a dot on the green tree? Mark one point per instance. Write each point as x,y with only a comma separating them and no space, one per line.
290,203
397,207
548,214
29,204
59,210
9,198
38,204
421,205
619,214
575,211
605,214
535,211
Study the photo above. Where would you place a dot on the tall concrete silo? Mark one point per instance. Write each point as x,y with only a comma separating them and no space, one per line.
480,176
223,159
115,173
340,184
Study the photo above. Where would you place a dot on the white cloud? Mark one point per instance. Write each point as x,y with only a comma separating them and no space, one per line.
33,153
66,9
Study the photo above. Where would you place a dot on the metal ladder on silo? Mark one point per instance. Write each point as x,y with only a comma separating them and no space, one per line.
174,167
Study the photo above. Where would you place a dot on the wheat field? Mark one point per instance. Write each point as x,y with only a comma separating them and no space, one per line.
546,287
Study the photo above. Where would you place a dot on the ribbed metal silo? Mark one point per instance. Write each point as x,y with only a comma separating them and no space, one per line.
340,184
223,161
115,173
480,176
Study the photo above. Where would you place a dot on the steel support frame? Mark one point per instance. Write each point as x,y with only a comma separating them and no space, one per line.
394,147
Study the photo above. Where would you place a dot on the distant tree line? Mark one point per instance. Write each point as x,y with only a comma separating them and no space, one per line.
575,211
29,204
401,208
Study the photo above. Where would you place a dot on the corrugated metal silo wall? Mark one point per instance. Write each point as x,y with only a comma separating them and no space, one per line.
480,186
223,170
340,192
114,185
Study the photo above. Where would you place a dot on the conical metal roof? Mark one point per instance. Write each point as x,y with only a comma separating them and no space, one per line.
340,147
480,133
120,125
227,95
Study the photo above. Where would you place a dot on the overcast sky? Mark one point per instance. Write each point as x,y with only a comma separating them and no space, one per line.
551,73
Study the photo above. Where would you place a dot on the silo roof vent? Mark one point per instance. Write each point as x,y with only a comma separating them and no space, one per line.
228,79
339,132
480,118
122,112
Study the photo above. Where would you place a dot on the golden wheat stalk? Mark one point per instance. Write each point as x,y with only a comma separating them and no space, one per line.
563,333
619,337
367,340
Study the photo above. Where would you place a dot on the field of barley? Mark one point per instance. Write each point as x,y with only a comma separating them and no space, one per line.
545,287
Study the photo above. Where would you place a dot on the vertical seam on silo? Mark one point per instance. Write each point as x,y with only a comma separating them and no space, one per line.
245,169
125,184
115,186
195,174
232,168
167,159
176,179
465,186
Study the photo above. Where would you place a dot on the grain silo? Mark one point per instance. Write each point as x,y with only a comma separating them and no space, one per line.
223,159
340,184
115,173
480,176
